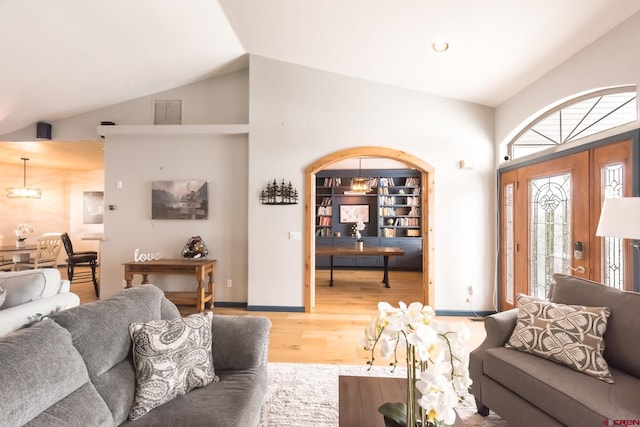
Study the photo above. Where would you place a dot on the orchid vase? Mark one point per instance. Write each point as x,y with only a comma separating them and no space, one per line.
437,363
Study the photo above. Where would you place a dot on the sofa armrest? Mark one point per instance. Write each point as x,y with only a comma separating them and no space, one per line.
19,316
498,327
240,342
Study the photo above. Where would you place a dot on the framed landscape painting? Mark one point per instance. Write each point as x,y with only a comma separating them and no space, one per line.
185,199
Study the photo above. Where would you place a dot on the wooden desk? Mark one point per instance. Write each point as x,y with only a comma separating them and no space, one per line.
360,397
366,251
197,267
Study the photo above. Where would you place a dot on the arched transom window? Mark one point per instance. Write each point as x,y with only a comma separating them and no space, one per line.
577,118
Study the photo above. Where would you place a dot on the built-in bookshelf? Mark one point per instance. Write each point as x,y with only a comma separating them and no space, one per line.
399,204
392,209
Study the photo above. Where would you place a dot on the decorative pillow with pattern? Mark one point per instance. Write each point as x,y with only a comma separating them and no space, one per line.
566,334
171,358
3,295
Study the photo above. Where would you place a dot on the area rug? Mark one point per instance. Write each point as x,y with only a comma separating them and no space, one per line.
306,395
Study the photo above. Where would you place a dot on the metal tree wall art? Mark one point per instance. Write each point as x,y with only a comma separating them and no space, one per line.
279,194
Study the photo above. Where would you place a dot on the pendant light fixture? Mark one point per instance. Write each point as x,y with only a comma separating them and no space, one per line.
24,192
360,184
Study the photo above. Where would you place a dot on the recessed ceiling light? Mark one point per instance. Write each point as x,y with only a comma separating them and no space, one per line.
440,45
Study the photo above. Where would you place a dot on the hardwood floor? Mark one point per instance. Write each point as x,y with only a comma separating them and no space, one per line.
331,334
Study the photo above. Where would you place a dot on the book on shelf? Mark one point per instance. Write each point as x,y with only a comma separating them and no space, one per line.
388,200
325,210
326,201
324,221
412,181
386,182
323,232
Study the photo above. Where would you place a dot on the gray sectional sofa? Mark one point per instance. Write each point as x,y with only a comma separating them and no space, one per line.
75,368
528,390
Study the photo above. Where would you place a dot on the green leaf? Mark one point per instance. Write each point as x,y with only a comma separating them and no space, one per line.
395,411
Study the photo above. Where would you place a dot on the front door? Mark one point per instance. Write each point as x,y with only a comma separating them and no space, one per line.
549,213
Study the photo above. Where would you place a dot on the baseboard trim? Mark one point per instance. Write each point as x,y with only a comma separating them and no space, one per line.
464,313
275,308
230,304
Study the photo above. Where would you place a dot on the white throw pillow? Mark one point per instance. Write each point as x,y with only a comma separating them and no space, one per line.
171,358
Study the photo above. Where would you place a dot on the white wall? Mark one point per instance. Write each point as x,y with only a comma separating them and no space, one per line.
609,61
137,160
299,114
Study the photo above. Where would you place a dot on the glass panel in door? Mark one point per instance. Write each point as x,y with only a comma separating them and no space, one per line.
550,228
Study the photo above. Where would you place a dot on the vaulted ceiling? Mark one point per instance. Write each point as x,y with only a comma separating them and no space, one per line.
64,57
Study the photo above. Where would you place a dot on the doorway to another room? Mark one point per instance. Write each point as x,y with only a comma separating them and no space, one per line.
423,228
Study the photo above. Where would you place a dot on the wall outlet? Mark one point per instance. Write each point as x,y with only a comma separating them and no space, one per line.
295,235
229,283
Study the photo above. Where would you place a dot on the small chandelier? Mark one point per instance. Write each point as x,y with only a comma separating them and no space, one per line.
24,192
360,184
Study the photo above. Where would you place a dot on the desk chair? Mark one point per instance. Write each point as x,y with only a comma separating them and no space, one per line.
86,258
46,255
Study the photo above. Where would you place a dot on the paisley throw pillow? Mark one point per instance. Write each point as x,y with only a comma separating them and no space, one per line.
171,357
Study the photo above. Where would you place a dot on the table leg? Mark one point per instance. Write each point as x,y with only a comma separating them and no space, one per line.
331,271
145,279
211,289
385,277
200,298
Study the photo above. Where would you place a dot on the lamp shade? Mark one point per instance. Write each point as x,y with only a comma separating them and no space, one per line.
620,217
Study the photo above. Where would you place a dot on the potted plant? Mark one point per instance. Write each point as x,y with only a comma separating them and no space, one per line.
21,234
437,363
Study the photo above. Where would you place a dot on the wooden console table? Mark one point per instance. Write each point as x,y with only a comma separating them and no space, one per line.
366,251
196,267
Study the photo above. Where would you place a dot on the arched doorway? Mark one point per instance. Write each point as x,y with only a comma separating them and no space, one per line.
427,183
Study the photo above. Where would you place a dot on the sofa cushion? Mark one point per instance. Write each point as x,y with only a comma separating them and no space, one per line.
234,401
565,394
40,368
83,407
100,329
171,358
567,334
623,327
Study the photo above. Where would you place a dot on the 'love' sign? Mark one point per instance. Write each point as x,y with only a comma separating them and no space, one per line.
138,257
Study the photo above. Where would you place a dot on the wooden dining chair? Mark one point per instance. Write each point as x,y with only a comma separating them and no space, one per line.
86,258
49,246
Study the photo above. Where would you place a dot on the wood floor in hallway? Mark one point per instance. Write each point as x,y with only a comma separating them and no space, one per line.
332,332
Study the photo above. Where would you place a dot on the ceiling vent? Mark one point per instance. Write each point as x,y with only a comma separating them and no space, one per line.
167,112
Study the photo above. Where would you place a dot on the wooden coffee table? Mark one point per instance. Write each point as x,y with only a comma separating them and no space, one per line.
360,398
